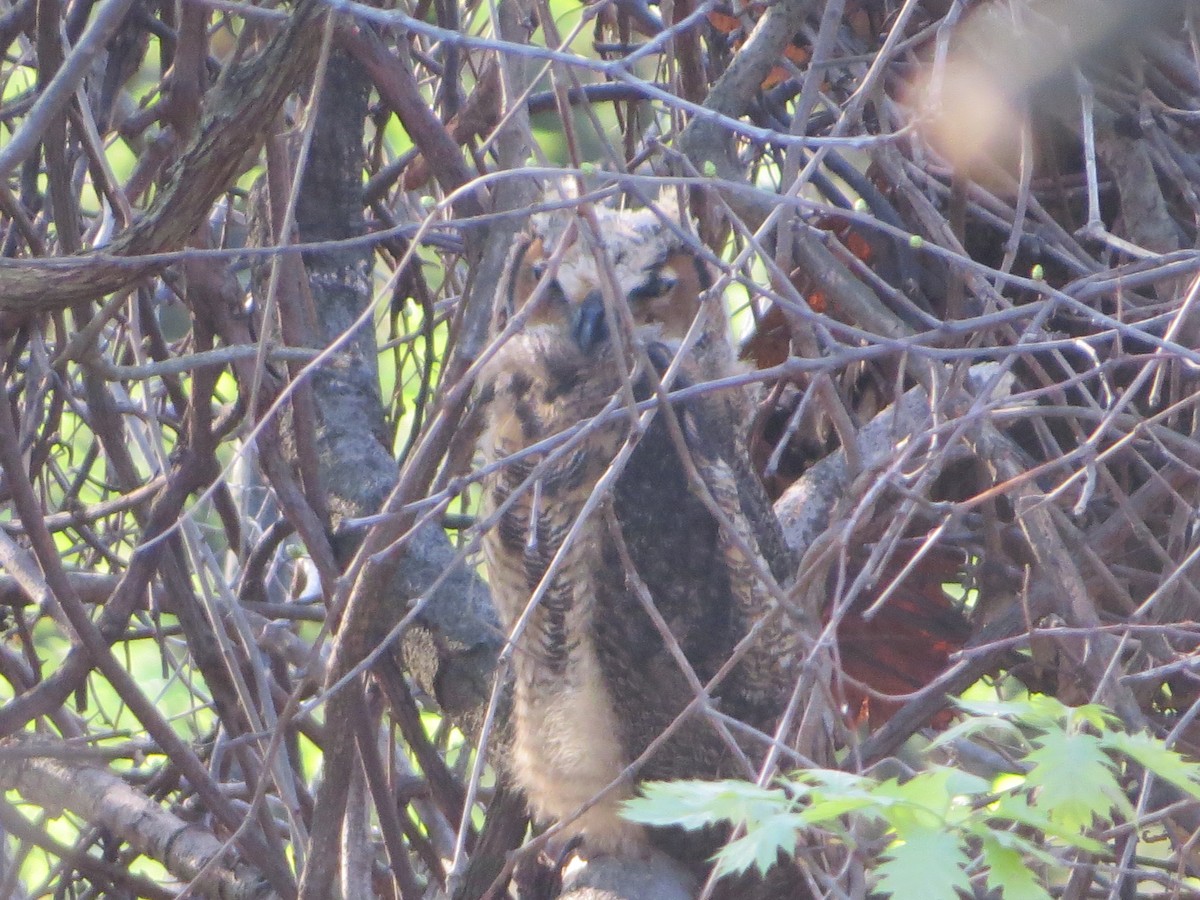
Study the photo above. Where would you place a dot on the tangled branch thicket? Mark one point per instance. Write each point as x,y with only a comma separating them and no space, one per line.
247,649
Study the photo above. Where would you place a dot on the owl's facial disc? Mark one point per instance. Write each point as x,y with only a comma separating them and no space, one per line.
653,270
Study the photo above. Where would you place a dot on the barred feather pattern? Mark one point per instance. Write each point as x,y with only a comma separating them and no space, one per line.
568,744
766,674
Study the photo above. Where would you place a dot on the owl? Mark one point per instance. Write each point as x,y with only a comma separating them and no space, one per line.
626,561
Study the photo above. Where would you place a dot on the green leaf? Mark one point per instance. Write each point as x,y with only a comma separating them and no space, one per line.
1038,711
1093,714
697,804
974,725
904,808
1017,810
760,846
932,797
1010,840
834,781
959,784
670,803
1008,872
831,794
826,809
1157,758
928,865
1005,709
741,802
1074,780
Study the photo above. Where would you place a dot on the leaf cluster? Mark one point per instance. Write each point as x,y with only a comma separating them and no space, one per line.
943,827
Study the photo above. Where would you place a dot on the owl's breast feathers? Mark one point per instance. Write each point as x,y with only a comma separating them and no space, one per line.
568,742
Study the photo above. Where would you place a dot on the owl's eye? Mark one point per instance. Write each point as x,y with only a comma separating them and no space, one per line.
656,285
552,293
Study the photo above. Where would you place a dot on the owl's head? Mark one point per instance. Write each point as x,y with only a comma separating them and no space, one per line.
657,273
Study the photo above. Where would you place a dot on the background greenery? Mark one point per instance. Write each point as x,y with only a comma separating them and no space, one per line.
897,193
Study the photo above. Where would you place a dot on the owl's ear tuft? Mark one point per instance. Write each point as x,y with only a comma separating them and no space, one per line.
668,214
565,187
510,292
667,204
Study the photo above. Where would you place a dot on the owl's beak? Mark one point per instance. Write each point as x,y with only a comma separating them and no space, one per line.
587,323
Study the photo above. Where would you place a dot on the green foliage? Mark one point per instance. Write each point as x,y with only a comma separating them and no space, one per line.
929,861
943,827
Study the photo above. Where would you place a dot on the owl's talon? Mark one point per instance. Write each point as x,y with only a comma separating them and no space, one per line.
558,852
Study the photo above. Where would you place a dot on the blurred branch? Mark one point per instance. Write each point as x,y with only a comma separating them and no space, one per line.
241,105
55,95
43,776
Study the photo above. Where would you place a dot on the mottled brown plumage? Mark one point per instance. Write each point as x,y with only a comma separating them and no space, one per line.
594,681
